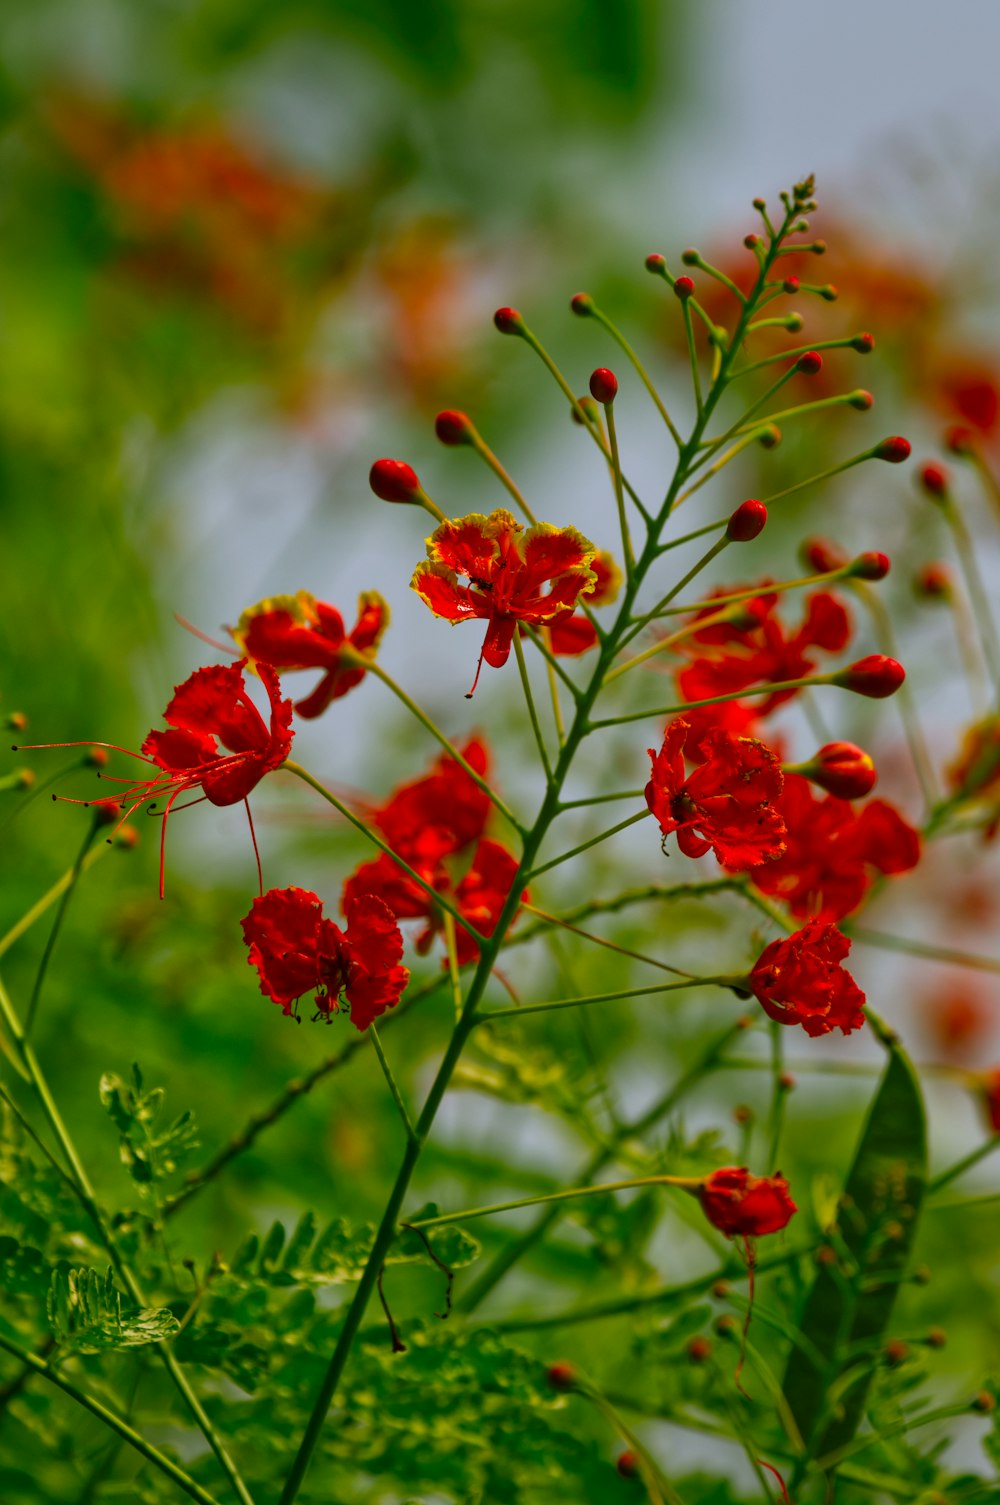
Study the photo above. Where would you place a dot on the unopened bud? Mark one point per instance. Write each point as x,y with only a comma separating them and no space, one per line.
691,257
720,1291
589,406
394,481
984,1403
896,1352
875,676
684,287
960,441
751,241
627,1465
603,385
769,437
841,768
810,364
871,565
934,582
895,450
861,401
786,1082
742,1114
747,521
582,304
794,322
561,1375
16,721
508,321
760,204
822,556
655,262
936,1338
863,343
934,480
699,1349
726,1326
453,427
829,292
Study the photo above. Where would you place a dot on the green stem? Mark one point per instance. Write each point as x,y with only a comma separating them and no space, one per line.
530,702
484,452
87,1198
550,658
572,1003
600,940
439,901
946,1177
116,1423
50,944
919,753
47,900
555,1196
966,551
397,1096
693,705
740,425
586,845
713,470
947,954
639,368
454,976
616,472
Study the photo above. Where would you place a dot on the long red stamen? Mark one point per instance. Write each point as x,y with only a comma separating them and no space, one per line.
750,1254
212,642
479,669
41,746
781,1483
163,835
253,838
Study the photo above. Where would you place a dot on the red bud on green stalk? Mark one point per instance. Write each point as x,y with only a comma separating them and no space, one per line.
16,721
822,556
603,385
960,441
699,1349
769,437
810,364
394,481
863,343
861,401
934,480
747,521
870,566
841,768
453,427
508,321
751,241
690,257
894,450
582,304
627,1465
934,582
684,287
875,676
561,1376
589,406
829,292
791,285
655,262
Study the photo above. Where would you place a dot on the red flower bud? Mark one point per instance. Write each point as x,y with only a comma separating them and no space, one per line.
582,304
960,441
508,321
747,521
769,437
589,406
603,385
895,450
684,287
394,481
16,721
453,427
870,566
822,556
791,285
561,1375
700,1349
875,676
690,257
861,401
863,343
810,364
842,770
934,582
655,262
751,241
744,1206
627,1465
934,480
829,293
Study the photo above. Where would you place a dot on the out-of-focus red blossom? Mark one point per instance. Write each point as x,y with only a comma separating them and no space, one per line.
727,805
507,569
832,851
934,582
297,951
571,633
299,632
957,1018
766,655
799,980
971,392
975,773
428,282
745,1206
437,824
823,555
479,895
195,208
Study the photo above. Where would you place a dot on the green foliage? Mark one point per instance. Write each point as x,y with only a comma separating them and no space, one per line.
149,1153
86,1316
853,1295
339,1252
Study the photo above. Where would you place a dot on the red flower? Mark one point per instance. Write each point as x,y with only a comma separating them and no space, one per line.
765,655
299,632
571,633
209,711
506,573
297,951
726,804
440,813
479,895
832,851
745,1206
799,980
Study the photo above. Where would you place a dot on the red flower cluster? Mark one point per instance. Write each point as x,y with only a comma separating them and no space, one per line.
832,851
745,1206
507,574
299,632
799,980
763,653
728,804
436,826
297,951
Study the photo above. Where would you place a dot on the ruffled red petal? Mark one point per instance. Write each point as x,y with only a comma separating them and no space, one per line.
437,586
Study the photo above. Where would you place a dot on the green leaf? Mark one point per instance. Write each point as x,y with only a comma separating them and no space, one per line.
148,1155
851,1299
85,1313
23,1269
